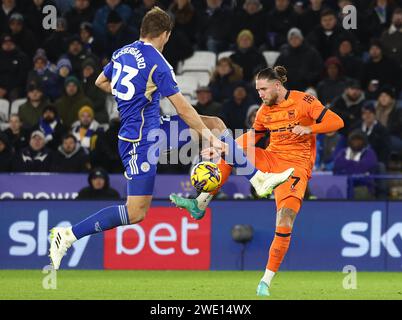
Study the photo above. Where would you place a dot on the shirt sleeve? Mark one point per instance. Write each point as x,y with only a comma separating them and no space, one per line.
315,109
326,120
165,80
108,70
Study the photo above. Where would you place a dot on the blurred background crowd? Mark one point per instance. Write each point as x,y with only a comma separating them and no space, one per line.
54,119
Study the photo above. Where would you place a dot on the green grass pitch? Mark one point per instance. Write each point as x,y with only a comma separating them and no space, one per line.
189,285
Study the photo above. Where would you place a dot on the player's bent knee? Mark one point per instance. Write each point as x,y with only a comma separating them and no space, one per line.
136,215
137,208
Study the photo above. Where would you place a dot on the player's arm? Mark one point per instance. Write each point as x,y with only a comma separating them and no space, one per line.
326,120
193,119
103,83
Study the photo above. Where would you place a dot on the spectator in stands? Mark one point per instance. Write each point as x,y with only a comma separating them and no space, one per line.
101,15
34,158
300,75
72,101
205,105
214,27
390,116
377,134
99,187
358,158
379,17
224,79
379,71
70,156
76,54
44,76
63,69
6,153
247,56
252,17
14,67
90,71
142,8
118,34
82,11
185,18
86,129
349,105
310,18
23,37
235,110
327,36
89,42
178,48
17,135
51,126
352,63
278,22
33,18
328,145
7,9
106,153
31,111
334,82
56,43
392,38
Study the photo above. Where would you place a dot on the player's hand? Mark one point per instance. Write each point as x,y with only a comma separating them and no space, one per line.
219,145
301,130
210,153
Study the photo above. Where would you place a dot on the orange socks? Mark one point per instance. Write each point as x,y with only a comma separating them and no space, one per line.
279,247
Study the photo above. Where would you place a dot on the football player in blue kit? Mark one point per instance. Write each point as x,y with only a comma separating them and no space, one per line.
137,76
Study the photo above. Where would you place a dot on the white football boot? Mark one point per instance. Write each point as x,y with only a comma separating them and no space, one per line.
61,240
265,183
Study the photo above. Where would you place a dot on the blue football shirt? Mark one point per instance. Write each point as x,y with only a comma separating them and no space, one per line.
139,76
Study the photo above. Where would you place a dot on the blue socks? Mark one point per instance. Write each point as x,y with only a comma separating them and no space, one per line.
105,219
236,157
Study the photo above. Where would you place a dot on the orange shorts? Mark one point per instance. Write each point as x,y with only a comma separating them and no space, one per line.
291,193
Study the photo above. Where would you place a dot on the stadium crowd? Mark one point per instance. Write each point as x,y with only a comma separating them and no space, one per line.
64,125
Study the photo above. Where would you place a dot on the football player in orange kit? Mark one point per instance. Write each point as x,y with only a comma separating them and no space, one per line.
293,119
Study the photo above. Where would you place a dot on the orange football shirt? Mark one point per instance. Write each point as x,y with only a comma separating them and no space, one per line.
298,108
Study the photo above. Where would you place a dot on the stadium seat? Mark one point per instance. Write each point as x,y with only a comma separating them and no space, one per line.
202,77
111,105
167,107
271,57
225,54
15,106
200,61
4,109
187,84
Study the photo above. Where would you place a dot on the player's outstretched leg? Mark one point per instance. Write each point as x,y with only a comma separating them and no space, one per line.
280,244
61,239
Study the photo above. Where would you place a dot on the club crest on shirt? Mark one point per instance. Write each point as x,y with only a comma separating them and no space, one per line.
292,114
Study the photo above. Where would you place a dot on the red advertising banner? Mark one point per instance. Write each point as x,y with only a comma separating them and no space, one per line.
168,239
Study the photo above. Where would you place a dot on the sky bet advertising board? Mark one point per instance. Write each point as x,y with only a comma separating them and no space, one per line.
327,236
